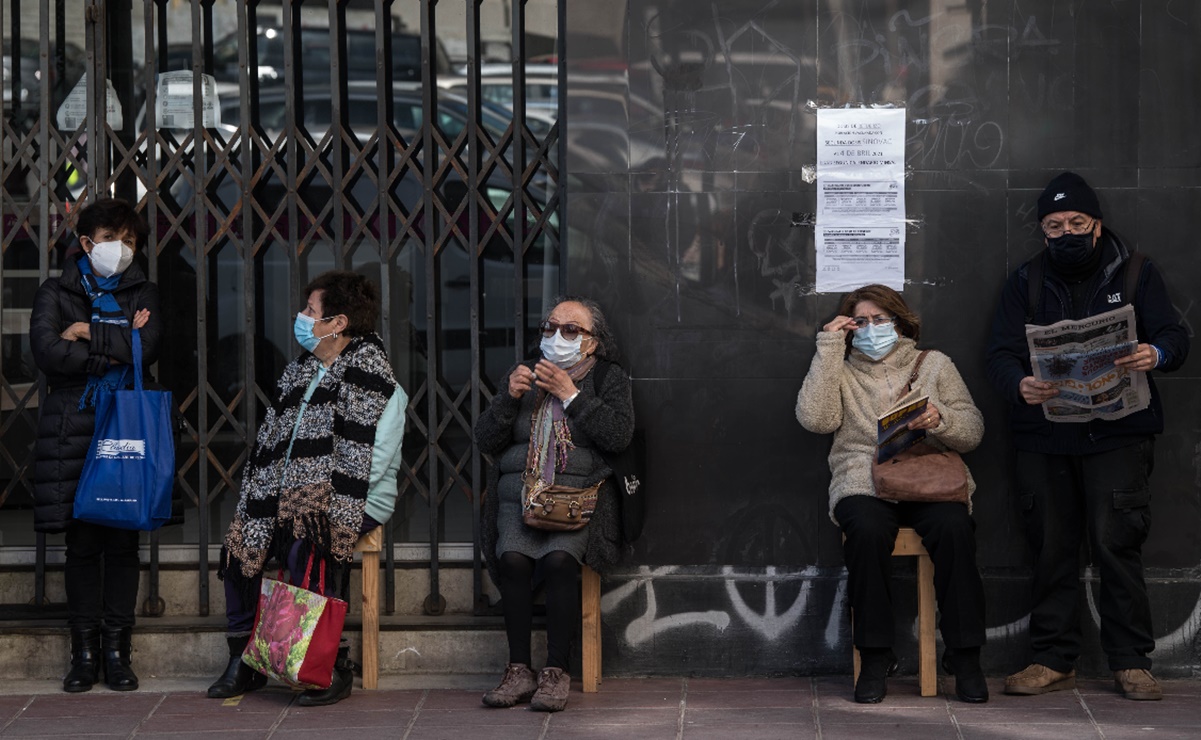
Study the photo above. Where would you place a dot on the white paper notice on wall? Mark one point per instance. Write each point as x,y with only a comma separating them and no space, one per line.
176,100
860,234
74,110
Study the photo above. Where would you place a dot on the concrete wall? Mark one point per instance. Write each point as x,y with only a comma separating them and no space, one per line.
180,643
179,590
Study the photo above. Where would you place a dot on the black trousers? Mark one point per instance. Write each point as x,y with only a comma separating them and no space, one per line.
101,576
1107,497
949,534
560,572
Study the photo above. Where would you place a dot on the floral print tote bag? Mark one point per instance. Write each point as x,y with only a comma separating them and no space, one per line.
296,632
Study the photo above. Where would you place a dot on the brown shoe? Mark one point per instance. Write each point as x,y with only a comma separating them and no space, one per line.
517,686
1039,679
553,686
1138,684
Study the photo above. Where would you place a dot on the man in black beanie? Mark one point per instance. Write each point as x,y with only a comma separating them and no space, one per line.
1084,478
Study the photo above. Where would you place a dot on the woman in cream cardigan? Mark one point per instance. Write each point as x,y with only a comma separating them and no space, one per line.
864,358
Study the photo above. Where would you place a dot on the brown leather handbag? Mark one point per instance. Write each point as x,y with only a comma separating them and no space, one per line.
922,472
557,508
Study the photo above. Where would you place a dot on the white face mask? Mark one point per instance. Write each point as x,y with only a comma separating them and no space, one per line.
562,352
110,258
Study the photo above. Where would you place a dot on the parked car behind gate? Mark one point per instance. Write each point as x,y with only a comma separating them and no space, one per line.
26,91
407,193
317,55
408,111
541,93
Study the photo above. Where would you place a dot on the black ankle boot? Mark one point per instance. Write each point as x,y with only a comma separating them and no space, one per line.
875,666
964,665
338,689
85,660
117,645
238,677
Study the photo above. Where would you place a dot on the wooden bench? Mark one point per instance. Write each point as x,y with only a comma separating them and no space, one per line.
590,631
909,543
371,544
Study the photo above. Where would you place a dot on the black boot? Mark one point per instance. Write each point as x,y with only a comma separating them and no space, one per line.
964,665
338,689
85,660
238,677
875,666
117,644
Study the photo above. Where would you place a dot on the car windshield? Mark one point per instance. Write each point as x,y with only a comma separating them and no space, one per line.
316,55
407,112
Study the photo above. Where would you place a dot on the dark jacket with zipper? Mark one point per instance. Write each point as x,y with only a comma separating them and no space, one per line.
64,430
1009,358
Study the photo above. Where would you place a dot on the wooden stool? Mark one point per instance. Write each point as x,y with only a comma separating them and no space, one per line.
371,544
909,543
590,648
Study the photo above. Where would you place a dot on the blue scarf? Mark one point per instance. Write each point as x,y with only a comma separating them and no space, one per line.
105,310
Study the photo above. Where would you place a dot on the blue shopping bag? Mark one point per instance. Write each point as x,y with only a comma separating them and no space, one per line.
130,468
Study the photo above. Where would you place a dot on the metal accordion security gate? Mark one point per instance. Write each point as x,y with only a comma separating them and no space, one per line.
266,143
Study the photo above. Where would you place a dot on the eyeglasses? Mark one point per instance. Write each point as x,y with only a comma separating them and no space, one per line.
1075,225
862,321
569,331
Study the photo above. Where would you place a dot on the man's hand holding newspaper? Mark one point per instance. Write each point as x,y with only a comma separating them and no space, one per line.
1093,368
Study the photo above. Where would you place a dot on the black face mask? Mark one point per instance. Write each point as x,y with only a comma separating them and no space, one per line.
1071,250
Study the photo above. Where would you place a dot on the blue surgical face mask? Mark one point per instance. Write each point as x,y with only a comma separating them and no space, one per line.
875,341
302,329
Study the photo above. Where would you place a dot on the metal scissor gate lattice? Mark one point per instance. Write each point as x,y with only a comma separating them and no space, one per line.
346,140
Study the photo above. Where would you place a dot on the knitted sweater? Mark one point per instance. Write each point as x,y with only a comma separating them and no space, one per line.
845,394
310,481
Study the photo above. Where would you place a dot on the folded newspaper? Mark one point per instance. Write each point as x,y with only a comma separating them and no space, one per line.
1077,357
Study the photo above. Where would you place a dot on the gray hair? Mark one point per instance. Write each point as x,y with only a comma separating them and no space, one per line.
606,345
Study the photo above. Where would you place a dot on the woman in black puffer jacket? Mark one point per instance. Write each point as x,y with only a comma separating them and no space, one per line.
80,334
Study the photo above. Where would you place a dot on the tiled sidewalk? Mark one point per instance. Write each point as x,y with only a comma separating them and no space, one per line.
629,709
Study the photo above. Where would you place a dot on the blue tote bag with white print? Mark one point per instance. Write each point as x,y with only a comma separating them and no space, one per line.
130,468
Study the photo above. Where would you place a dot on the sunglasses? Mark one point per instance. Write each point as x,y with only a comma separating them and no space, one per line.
569,331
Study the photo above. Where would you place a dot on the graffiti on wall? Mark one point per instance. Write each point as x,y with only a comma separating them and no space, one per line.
635,611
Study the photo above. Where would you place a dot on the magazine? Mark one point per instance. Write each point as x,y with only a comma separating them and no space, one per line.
893,434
